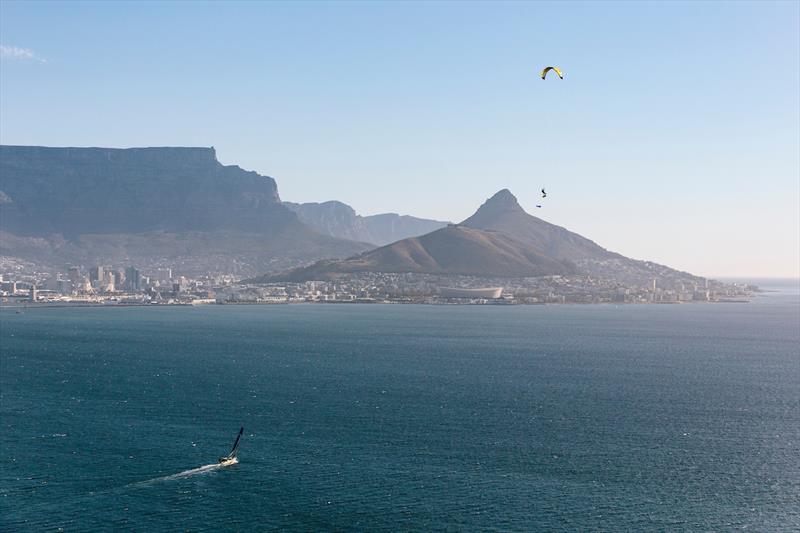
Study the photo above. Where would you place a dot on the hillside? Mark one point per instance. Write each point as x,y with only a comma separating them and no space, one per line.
340,220
503,213
450,250
149,206
499,240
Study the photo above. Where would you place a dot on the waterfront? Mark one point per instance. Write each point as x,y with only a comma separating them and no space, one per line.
403,417
368,287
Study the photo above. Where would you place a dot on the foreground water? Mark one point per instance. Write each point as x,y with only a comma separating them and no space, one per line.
402,417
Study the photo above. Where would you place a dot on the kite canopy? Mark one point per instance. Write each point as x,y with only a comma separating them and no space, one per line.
555,69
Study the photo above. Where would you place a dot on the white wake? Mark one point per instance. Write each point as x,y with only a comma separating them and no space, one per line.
186,473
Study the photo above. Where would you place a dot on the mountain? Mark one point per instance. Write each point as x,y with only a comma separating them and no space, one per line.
340,220
503,213
449,250
77,191
499,240
148,206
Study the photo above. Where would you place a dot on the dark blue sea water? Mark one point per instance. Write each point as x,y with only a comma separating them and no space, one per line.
390,417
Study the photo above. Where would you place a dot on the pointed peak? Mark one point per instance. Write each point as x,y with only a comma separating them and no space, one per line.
501,204
502,200
503,195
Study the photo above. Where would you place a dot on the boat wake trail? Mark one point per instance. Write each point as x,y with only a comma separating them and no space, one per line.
180,475
228,460
192,472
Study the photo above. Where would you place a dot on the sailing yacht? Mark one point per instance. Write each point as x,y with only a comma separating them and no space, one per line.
231,459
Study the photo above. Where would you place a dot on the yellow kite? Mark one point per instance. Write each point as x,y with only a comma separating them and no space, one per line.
548,69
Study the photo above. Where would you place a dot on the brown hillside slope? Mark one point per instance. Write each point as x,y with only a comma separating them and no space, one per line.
450,250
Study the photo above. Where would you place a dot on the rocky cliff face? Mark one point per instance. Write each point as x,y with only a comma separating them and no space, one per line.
76,191
148,205
340,220
331,218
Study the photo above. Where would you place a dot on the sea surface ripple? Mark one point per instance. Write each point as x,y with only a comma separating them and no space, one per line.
393,417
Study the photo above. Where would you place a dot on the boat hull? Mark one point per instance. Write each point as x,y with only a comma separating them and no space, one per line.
228,462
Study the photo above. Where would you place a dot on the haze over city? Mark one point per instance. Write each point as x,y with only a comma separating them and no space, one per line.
673,136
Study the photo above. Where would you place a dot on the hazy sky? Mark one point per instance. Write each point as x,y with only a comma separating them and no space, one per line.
673,137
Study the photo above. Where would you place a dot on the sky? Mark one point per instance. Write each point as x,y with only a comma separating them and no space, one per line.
673,137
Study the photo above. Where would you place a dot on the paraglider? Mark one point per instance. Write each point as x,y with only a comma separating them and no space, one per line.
544,195
554,69
544,76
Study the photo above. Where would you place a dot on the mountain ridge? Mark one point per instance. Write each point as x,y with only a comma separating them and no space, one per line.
502,212
149,205
517,245
454,249
338,219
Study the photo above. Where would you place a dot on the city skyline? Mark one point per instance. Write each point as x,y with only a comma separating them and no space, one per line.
108,285
672,138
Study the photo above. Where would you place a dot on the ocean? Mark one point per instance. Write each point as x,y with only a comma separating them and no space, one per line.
403,417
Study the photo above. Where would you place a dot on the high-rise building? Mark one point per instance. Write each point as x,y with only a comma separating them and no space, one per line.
96,274
9,287
132,279
64,286
74,276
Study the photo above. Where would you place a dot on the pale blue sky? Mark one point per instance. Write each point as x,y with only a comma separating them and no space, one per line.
673,137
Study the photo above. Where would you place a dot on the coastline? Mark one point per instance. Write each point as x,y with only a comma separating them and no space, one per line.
75,305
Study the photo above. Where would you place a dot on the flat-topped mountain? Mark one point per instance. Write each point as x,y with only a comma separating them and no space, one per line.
75,191
149,205
180,207
499,240
340,220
